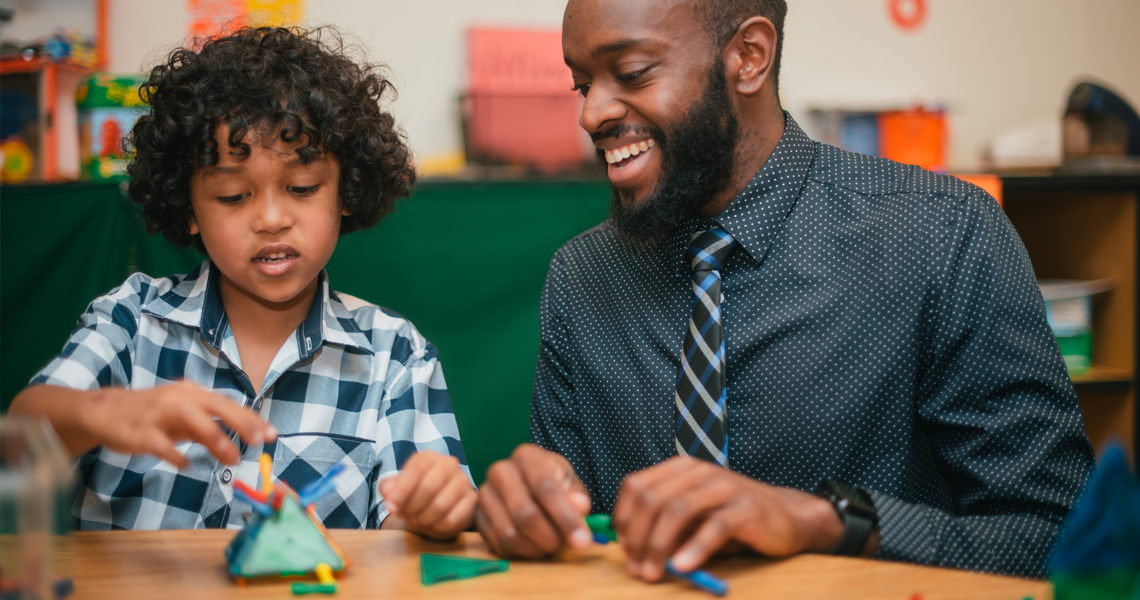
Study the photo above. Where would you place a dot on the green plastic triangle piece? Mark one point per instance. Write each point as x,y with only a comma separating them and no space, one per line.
288,542
435,568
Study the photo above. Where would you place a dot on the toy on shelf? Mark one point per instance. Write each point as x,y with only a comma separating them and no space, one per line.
283,536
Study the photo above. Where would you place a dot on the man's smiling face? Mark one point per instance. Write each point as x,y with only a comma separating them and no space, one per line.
656,106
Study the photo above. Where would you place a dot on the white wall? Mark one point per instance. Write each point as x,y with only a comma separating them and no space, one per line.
994,63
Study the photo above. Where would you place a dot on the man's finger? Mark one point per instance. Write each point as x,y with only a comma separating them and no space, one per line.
550,479
648,477
679,516
643,494
496,521
709,538
528,517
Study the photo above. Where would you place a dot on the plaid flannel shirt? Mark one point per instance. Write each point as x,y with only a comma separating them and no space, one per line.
356,384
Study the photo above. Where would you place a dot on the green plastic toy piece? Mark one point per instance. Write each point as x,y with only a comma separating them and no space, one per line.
287,543
435,568
602,524
300,589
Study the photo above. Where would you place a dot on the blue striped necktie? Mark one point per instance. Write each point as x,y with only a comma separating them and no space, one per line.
700,399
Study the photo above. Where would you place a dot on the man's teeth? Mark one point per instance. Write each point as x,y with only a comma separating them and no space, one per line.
620,154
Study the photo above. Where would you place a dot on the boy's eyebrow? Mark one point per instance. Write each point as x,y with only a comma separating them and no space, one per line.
215,171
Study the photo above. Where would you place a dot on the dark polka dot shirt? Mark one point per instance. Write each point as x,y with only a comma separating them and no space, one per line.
883,328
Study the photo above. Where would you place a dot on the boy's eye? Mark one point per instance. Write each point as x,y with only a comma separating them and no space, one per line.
582,88
233,199
298,190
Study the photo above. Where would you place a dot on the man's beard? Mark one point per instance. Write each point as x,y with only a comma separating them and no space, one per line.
697,156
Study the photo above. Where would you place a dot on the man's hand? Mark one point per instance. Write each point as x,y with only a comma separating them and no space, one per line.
688,509
432,495
152,421
532,505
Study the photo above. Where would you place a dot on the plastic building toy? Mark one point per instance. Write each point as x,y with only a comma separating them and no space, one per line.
602,527
283,536
435,568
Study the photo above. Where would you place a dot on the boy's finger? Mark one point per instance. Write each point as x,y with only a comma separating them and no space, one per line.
548,480
431,483
161,446
403,484
248,424
201,428
459,517
440,503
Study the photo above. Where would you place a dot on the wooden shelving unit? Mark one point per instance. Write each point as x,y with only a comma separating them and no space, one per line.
1085,227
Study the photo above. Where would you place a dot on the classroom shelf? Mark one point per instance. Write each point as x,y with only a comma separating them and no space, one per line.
1085,227
1103,375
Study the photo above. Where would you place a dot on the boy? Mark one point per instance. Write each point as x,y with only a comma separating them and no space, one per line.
260,150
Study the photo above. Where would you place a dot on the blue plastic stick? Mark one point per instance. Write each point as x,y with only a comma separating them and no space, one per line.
258,506
320,487
601,538
701,579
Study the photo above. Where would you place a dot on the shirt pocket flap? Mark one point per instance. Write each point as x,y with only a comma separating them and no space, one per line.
301,459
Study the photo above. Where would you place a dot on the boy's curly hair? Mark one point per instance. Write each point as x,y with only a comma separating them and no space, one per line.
265,79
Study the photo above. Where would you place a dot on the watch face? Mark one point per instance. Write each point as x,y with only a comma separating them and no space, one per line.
848,498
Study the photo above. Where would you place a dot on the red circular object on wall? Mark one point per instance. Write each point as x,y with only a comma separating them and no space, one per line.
908,14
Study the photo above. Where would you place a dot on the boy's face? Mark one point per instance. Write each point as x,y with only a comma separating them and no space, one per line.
269,222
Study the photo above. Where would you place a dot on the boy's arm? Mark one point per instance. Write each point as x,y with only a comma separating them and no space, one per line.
424,480
84,392
149,421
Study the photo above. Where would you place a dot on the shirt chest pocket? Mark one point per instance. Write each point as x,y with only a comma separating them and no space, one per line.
301,459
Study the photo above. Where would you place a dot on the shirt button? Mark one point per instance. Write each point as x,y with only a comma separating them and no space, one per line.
227,475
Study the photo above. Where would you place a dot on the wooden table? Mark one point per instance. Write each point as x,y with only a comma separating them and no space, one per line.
189,564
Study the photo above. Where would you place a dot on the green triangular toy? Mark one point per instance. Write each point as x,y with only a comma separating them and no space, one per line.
435,568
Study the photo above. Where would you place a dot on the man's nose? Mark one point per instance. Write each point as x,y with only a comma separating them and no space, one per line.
600,108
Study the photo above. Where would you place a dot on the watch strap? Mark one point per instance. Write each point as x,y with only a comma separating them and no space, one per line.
856,531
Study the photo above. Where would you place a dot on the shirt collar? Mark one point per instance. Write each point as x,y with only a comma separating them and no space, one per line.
196,302
755,216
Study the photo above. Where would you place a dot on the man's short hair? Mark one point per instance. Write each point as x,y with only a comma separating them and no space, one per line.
298,85
723,17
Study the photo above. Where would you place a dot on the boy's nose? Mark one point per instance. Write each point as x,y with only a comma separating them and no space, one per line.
273,214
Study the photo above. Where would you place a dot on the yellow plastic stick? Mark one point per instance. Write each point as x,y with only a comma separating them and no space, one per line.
266,464
324,574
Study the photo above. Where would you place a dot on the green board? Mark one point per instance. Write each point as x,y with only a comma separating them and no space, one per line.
465,262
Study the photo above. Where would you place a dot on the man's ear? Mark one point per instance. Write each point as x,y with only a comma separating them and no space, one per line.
749,55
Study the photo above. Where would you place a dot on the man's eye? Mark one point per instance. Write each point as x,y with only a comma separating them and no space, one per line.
583,89
298,190
628,77
232,199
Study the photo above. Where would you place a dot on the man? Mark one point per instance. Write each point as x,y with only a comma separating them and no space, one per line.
811,319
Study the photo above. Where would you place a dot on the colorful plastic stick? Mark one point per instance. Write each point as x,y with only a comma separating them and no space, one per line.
327,583
320,487
240,486
701,579
243,492
266,464
602,528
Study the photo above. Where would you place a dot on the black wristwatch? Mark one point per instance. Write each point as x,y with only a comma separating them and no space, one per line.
856,510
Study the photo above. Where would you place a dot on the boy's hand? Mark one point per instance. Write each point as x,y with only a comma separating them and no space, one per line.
432,495
532,505
152,421
688,509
